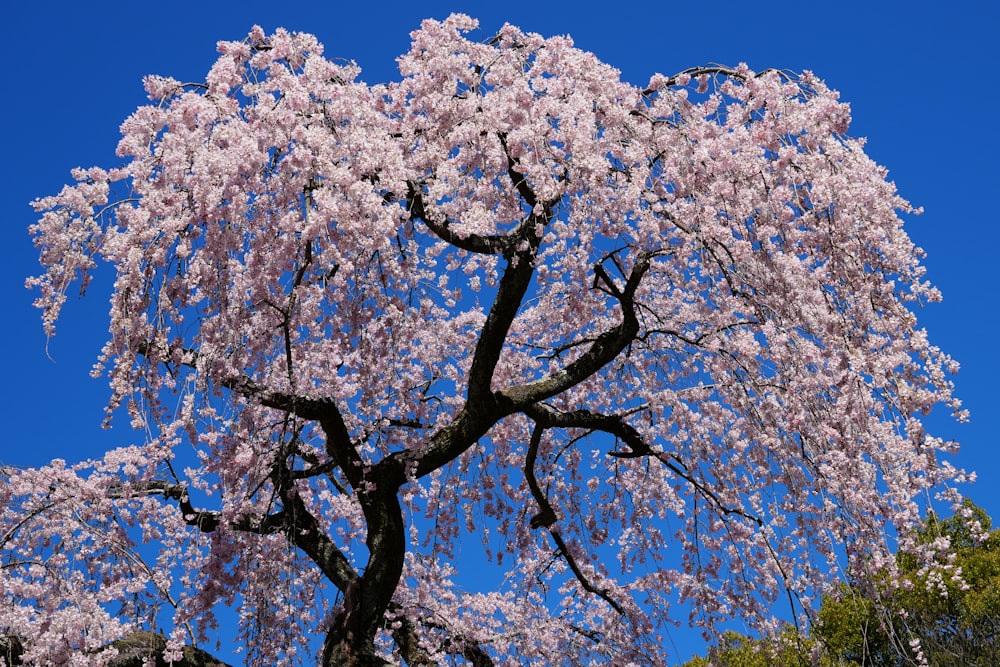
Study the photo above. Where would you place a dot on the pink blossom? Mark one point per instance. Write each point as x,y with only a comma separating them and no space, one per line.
633,347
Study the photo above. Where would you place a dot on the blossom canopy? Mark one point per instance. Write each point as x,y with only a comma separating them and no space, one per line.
652,346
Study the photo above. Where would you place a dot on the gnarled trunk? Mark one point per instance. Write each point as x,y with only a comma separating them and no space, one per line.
350,642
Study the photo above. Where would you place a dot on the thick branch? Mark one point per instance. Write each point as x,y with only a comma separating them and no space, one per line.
303,528
516,177
483,408
486,245
339,445
471,423
612,424
405,635
510,294
606,347
351,638
520,254
306,408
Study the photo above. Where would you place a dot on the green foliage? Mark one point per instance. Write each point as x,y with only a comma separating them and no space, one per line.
957,618
955,613
849,628
788,649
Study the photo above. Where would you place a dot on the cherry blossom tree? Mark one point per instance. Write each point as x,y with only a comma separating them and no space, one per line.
651,347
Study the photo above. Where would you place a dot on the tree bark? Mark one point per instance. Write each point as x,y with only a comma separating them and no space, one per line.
350,642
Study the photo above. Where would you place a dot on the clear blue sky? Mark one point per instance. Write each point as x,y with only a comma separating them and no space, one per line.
921,76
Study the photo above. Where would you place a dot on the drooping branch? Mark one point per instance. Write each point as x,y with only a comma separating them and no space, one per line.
207,521
339,445
614,425
25,520
548,519
366,596
638,447
516,177
306,408
301,525
672,463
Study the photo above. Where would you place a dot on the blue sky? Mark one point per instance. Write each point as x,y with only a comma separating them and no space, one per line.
920,76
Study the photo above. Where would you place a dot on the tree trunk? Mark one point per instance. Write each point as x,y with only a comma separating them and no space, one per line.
350,642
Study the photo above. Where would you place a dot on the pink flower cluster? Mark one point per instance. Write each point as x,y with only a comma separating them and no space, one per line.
649,346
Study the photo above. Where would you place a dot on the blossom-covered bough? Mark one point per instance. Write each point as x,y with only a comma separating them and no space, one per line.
649,347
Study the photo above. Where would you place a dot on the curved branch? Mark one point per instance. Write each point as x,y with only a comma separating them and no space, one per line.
693,72
510,294
27,518
606,347
339,445
295,519
516,177
547,517
405,635
307,535
617,426
471,423
485,245
680,470
612,424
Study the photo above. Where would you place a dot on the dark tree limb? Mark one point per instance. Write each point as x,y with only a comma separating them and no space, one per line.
484,245
405,636
510,295
548,518
339,445
516,177
638,447
302,527
604,349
